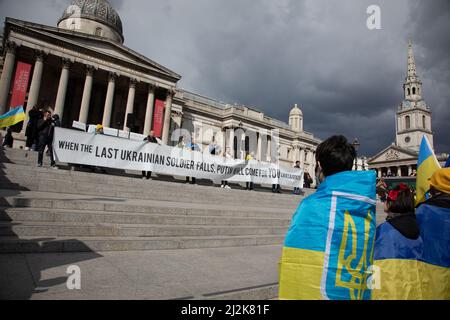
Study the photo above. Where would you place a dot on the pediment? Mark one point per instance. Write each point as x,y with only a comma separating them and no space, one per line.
98,45
393,153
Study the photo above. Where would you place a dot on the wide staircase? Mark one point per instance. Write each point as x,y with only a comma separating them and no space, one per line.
73,210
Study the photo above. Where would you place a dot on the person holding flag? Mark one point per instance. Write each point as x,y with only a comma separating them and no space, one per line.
419,269
433,216
328,248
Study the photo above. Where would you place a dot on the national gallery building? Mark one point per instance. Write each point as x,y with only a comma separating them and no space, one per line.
82,70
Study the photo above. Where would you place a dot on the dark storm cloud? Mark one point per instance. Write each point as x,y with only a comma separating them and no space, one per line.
272,54
432,22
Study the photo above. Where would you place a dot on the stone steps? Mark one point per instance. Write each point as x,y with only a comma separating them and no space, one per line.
78,229
99,244
83,216
93,204
48,210
138,189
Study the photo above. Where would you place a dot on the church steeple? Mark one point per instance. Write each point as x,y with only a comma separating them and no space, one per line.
413,85
413,115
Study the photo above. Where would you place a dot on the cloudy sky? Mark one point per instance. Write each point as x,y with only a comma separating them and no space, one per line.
271,54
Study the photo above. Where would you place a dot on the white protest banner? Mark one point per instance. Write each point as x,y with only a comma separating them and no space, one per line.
76,147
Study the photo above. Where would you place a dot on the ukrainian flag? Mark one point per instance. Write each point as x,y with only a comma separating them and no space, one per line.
415,269
329,246
12,117
426,166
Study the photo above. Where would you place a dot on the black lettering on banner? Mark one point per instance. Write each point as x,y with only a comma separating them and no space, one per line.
72,146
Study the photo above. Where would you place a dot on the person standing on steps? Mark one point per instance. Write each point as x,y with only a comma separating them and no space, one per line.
227,156
31,132
149,139
297,189
45,134
192,146
8,141
249,185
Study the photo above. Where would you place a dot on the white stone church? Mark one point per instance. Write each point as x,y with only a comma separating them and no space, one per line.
413,121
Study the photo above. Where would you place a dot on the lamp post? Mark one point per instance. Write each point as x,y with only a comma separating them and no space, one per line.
356,145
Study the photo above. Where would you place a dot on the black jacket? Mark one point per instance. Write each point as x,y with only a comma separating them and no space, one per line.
406,224
44,128
151,139
32,126
8,140
442,200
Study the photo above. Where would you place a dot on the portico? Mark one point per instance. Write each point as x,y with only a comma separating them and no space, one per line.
85,84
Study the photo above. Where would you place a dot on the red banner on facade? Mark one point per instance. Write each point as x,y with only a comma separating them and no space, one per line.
158,118
20,84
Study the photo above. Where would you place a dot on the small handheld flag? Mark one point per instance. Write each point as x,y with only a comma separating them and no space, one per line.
12,117
426,166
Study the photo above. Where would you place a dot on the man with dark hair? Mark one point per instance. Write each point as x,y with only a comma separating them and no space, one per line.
328,248
45,134
335,155
31,132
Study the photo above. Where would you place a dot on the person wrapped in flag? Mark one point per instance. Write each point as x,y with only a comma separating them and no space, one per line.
329,246
397,244
419,269
433,216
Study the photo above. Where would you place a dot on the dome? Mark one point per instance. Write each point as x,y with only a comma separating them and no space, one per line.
296,111
93,13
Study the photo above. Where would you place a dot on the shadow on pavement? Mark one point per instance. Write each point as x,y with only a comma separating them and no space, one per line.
21,261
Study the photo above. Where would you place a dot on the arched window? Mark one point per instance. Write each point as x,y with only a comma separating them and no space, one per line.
424,122
407,122
414,90
409,91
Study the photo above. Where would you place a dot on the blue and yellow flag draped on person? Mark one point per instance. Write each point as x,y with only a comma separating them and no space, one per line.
415,269
329,245
12,117
426,166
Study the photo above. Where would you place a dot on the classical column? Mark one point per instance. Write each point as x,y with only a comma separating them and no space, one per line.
399,171
35,86
311,163
149,111
379,172
87,91
5,81
410,170
231,142
109,100
302,158
167,116
62,88
259,148
130,102
269,148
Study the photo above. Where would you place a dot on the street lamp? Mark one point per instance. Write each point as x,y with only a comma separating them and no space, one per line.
356,145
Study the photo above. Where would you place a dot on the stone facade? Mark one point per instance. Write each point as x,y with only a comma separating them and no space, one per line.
91,77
